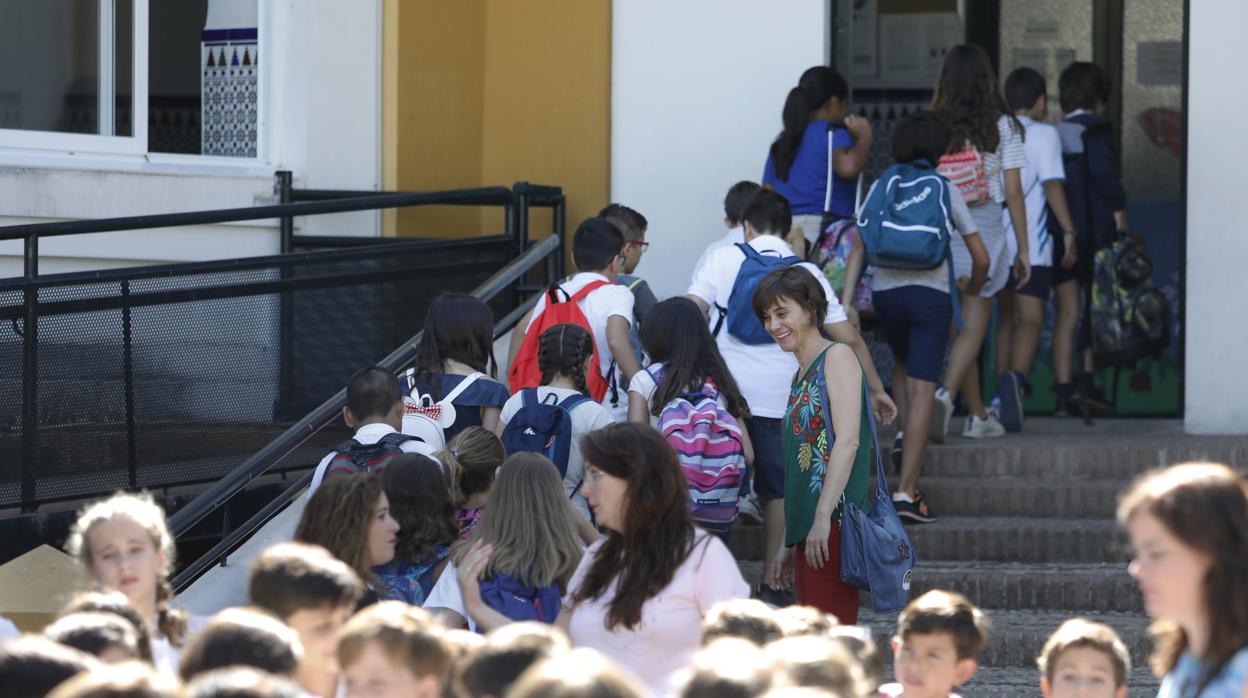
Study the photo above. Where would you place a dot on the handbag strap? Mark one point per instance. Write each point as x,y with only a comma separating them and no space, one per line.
821,377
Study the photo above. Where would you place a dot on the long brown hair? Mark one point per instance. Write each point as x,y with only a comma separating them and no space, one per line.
337,518
1204,505
658,532
968,99
529,523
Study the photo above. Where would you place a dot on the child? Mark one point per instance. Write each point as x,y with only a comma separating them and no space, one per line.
915,309
1083,659
314,593
1098,209
988,141
598,252
455,355
422,502
374,410
939,636
508,652
116,604
516,565
580,672
125,680
242,682
564,356
32,665
246,636
633,226
764,370
350,517
387,652
818,662
746,619
728,668
797,165
124,545
107,637
734,202
472,459
1022,310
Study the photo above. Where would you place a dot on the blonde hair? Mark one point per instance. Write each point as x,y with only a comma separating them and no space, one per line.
471,459
580,673
819,662
135,679
1081,632
529,522
406,634
799,621
143,510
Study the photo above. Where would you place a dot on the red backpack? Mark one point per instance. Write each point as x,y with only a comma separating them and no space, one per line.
525,372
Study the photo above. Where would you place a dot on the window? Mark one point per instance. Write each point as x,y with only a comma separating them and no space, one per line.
131,77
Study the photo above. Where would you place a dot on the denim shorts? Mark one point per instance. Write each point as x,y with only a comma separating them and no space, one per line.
768,466
915,320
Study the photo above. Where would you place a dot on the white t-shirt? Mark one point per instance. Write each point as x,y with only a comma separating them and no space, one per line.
8,630
643,384
729,239
366,435
446,594
670,631
598,306
885,279
1009,155
1043,146
586,417
762,371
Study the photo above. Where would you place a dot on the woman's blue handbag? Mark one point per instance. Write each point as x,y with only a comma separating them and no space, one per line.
876,554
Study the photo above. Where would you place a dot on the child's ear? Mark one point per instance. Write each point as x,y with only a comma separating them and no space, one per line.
965,669
1046,688
1120,692
348,417
750,232
896,644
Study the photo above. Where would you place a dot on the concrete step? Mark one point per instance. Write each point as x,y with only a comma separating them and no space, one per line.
1063,498
1017,682
999,539
1071,588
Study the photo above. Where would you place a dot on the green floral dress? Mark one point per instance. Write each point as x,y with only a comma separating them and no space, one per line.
806,439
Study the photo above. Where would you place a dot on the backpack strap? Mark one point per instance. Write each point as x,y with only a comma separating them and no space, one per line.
528,397
589,288
637,281
571,402
463,385
396,439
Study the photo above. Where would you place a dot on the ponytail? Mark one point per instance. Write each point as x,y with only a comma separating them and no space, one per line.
170,622
816,86
470,460
563,351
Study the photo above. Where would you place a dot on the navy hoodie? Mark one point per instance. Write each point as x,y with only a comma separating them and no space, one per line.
1093,181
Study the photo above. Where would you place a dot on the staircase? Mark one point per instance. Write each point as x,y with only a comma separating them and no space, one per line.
1027,533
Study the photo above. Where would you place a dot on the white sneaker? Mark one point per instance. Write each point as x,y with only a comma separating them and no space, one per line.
748,508
977,428
942,410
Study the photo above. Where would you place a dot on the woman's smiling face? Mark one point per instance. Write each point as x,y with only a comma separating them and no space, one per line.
787,323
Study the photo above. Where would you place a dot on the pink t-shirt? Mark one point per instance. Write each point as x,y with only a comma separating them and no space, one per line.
671,622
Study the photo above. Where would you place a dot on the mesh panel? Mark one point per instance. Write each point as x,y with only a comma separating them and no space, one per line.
200,385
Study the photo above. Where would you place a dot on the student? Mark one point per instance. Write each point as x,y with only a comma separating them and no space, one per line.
796,621
242,636
456,359
107,637
1098,208
1022,309
633,226
819,442
116,604
473,458
314,593
638,493
939,637
241,682
564,356
915,311
509,651
984,131
350,517
580,673
860,644
124,545
598,253
422,503
374,410
387,652
763,370
516,565
745,619
797,165
33,665
734,203
1082,659
818,662
1189,529
727,668
125,680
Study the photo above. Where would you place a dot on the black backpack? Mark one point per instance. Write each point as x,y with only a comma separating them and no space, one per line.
354,457
1130,316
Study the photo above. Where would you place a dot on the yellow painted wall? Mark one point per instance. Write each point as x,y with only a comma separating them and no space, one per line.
490,92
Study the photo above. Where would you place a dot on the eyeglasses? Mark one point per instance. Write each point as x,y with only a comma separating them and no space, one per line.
642,244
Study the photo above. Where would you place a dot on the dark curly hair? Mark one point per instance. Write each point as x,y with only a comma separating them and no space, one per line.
968,99
562,351
422,501
659,535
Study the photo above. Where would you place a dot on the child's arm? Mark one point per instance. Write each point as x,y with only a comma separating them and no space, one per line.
468,576
746,445
979,264
1055,195
1018,217
489,418
638,410
621,348
1104,178
853,270
849,162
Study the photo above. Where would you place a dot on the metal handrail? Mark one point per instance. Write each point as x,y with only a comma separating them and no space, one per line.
209,500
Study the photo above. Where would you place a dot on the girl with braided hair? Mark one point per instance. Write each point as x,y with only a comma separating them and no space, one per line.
564,355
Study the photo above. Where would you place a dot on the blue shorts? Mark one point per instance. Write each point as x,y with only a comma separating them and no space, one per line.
1039,285
768,466
915,320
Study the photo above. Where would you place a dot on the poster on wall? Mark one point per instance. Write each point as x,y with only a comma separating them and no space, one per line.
863,63
913,46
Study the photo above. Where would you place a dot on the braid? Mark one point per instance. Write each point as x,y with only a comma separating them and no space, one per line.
578,369
562,351
169,621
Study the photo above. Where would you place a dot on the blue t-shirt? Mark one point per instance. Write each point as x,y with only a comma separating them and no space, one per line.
807,184
485,392
1189,673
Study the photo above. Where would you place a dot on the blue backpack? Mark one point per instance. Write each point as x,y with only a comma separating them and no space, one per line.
543,426
519,601
742,322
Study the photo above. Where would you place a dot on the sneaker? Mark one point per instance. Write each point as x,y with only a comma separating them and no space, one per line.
912,510
987,428
942,410
1010,390
895,455
749,509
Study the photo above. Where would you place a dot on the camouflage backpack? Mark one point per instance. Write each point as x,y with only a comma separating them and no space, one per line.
1130,317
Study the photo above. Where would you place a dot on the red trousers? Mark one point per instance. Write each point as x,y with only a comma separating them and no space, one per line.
823,588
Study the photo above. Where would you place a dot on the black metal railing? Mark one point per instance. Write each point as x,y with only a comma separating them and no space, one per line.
161,376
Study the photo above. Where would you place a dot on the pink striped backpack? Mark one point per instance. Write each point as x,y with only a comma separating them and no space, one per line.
965,170
708,444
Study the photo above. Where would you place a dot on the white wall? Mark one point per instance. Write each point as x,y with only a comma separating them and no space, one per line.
1216,387
697,90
